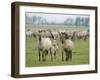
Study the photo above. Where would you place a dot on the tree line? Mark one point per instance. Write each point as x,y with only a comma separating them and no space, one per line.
78,21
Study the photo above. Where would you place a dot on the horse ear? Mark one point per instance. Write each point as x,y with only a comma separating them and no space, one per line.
66,36
39,35
59,34
52,36
39,38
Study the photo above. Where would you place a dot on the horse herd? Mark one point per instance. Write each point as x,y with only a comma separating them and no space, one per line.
47,42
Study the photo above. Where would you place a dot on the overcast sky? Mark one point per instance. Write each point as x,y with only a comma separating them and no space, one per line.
55,17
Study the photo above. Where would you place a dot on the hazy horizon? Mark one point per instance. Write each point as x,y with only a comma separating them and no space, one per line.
51,17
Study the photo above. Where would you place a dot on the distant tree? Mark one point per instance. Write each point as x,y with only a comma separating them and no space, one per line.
87,22
68,21
82,21
34,19
26,19
39,19
78,21
44,21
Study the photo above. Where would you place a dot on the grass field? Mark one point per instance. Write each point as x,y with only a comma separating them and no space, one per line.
80,54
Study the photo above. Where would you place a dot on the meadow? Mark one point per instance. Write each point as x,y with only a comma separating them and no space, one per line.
80,54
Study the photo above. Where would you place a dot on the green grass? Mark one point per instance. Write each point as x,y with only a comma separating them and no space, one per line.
80,54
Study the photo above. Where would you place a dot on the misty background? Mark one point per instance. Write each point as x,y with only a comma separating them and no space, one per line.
73,20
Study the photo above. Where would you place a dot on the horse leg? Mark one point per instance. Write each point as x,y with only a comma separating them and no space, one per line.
70,55
51,55
67,55
43,56
46,53
39,55
55,55
62,55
